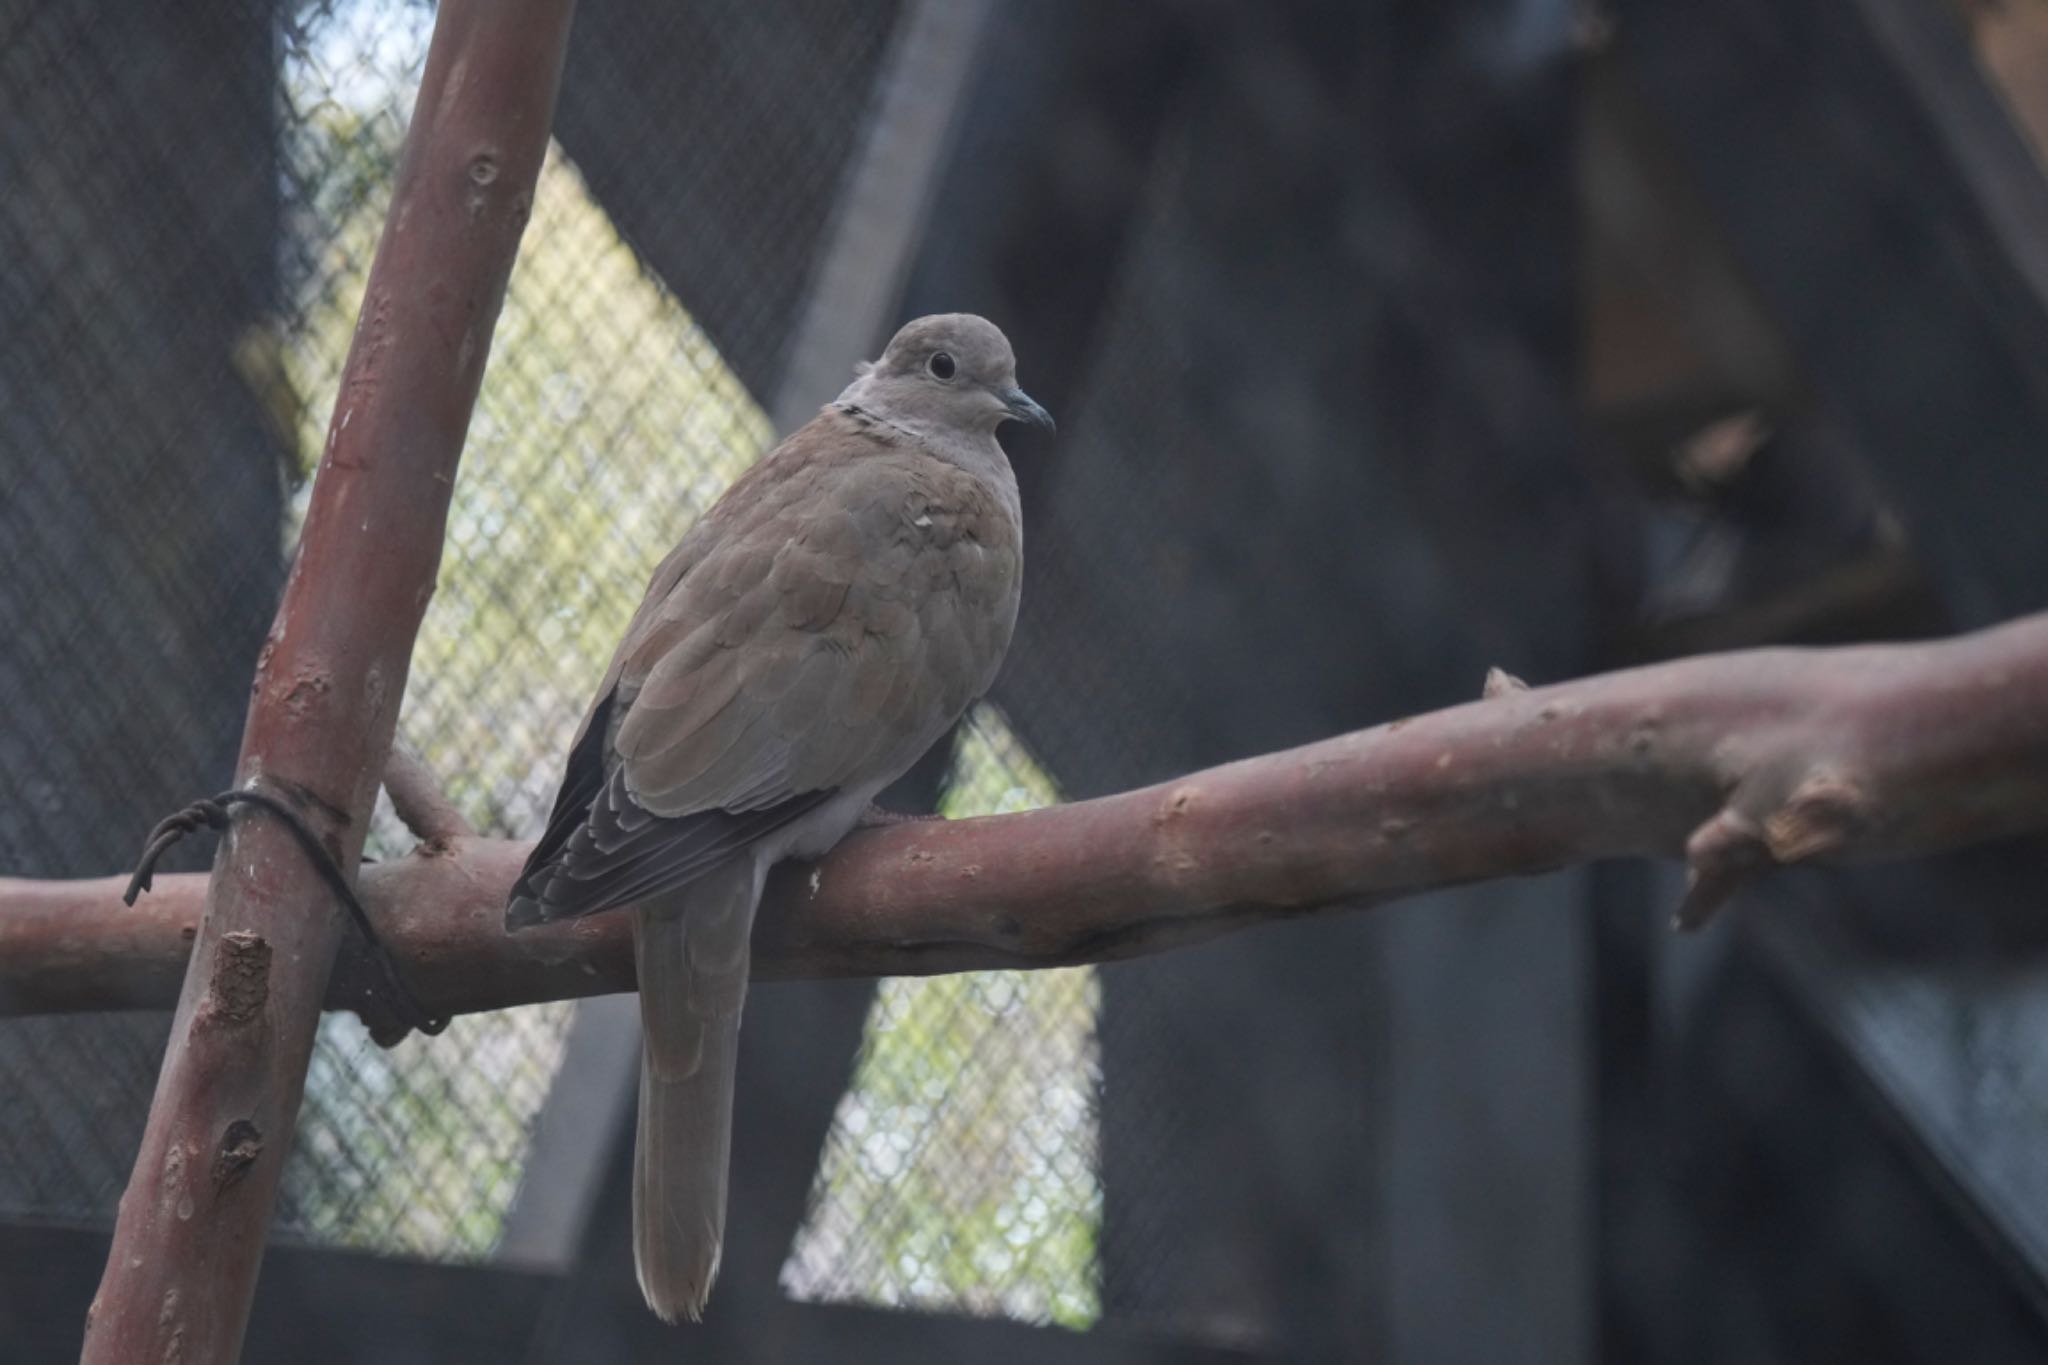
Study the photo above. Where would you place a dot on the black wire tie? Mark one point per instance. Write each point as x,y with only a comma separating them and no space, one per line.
215,813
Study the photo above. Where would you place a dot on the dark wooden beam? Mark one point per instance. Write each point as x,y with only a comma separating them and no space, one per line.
1896,223
318,1306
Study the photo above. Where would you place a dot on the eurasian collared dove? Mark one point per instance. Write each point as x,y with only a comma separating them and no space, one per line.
816,631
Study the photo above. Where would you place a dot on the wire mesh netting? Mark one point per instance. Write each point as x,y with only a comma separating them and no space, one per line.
960,1173
960,1170
139,225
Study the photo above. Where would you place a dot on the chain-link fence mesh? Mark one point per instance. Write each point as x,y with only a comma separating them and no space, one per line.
960,1171
1306,285
140,493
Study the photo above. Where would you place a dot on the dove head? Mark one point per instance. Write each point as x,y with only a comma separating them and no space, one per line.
948,374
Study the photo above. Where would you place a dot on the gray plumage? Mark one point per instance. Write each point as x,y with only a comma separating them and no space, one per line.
812,635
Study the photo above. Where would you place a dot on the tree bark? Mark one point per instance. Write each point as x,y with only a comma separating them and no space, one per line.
190,1233
1736,762
419,801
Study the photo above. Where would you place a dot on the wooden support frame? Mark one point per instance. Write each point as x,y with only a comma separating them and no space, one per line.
189,1238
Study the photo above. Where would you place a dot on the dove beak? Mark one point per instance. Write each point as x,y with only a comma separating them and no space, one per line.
1022,407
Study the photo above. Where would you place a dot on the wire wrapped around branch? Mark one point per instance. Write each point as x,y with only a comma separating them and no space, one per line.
217,812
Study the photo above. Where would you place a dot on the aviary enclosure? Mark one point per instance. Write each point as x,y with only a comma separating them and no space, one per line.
1463,409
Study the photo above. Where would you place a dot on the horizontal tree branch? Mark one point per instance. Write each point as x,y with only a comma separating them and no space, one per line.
1737,762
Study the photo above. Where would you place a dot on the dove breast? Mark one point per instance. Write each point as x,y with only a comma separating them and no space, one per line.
833,634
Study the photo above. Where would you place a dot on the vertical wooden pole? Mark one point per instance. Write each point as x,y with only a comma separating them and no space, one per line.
190,1234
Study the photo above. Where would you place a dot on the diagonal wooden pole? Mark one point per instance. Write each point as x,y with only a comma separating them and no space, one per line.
190,1235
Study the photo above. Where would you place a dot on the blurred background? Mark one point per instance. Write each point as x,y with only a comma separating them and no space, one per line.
1390,341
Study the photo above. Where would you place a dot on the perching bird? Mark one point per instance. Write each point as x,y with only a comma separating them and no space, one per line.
814,633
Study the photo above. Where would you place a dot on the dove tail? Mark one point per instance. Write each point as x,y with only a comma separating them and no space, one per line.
691,954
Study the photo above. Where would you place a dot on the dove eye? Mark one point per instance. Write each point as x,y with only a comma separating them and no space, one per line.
941,365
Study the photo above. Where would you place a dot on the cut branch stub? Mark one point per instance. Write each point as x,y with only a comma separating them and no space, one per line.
1827,814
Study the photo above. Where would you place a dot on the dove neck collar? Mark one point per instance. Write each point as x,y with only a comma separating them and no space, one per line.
864,413
985,460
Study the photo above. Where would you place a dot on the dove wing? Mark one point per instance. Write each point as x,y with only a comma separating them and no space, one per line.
816,632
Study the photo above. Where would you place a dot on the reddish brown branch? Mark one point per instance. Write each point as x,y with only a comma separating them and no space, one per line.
420,802
191,1227
1738,761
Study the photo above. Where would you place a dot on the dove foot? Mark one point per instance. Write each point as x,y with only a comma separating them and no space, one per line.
874,817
